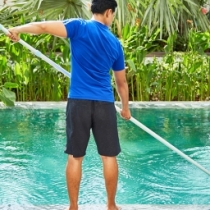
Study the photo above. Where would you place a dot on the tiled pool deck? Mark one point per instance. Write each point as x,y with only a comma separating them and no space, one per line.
103,207
149,207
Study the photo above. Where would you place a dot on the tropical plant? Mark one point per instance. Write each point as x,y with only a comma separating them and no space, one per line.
45,10
198,41
168,15
171,16
6,96
177,76
30,77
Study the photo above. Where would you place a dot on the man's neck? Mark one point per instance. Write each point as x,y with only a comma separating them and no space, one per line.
99,18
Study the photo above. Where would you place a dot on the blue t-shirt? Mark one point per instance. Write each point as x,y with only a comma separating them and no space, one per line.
94,51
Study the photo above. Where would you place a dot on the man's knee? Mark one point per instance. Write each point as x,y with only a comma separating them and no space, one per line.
108,159
74,160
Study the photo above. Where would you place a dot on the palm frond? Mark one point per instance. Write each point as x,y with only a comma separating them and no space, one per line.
46,9
172,15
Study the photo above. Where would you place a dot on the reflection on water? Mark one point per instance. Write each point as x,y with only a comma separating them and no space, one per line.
32,162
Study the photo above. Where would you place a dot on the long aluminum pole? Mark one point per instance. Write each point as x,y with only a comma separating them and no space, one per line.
166,143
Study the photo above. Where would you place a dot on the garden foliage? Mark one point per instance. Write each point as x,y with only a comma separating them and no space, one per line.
177,76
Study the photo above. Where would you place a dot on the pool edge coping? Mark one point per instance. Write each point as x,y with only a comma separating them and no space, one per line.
132,104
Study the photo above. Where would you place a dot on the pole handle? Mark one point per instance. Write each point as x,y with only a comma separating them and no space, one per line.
2,28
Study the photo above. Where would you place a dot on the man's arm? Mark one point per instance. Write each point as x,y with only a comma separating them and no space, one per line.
55,28
122,89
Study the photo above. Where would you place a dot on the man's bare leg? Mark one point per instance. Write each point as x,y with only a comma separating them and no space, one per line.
110,167
73,178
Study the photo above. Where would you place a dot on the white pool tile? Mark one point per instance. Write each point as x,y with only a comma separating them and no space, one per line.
103,207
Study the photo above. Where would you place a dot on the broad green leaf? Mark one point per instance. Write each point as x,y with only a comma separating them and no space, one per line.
7,97
10,85
132,65
9,94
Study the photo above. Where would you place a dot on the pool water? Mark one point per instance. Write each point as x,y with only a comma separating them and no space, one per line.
32,161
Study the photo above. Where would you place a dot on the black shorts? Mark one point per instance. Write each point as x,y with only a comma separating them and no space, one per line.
84,115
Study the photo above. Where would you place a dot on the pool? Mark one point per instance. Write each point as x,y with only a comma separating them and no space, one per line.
32,162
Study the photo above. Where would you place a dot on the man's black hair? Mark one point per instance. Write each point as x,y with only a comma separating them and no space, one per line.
100,6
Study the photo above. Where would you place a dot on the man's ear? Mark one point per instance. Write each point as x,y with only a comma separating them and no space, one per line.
108,12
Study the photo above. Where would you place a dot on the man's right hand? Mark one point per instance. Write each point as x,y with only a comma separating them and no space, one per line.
125,114
13,35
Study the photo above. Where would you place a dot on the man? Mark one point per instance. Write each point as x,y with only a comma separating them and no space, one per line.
94,51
